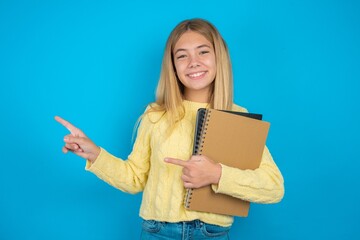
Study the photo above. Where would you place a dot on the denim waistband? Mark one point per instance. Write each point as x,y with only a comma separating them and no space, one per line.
194,223
195,229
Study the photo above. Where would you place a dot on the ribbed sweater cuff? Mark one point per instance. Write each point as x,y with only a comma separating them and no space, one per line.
99,162
225,181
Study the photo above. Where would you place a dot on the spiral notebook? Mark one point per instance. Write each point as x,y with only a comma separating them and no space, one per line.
234,139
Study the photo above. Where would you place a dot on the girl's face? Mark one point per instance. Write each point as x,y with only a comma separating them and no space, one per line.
195,65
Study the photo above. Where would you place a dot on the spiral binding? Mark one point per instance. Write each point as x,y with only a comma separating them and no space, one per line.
203,121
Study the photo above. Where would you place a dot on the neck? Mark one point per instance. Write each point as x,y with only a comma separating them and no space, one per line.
197,96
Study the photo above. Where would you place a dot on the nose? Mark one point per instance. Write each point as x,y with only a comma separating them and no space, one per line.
194,62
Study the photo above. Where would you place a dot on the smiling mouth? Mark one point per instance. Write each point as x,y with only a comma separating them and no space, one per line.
196,75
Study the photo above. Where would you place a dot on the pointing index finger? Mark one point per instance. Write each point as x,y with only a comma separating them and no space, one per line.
66,124
176,162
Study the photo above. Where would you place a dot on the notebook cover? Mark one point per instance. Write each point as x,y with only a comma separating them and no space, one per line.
236,141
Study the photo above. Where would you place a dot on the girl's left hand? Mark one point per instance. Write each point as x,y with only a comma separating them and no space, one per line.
198,171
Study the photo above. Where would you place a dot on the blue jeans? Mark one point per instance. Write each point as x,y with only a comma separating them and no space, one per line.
193,230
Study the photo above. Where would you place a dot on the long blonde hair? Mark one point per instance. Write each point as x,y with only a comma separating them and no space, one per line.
169,94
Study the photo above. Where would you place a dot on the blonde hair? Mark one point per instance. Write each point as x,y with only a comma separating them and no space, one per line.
169,94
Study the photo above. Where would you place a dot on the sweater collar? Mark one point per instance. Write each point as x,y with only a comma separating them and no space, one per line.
195,105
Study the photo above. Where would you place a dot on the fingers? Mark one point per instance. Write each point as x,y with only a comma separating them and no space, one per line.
67,124
73,147
197,158
186,176
64,150
72,144
198,171
189,185
176,162
80,152
69,139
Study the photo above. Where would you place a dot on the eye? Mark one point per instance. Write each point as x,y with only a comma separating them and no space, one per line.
181,56
204,52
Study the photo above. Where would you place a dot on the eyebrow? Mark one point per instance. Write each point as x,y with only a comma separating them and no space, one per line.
200,46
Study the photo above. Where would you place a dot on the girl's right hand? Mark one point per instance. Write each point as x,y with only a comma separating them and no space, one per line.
78,143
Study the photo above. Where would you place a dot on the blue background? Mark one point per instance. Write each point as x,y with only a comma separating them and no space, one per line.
97,63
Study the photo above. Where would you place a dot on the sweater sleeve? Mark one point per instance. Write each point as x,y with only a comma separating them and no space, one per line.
262,185
127,175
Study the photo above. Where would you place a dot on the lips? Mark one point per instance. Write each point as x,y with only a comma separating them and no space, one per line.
196,75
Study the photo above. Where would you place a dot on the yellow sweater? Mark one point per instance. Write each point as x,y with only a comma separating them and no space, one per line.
163,191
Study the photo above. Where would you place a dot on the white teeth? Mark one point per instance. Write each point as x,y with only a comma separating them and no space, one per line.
194,75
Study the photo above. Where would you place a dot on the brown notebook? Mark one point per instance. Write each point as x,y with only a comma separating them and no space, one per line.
233,140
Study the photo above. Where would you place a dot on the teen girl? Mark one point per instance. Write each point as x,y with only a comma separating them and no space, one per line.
196,73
